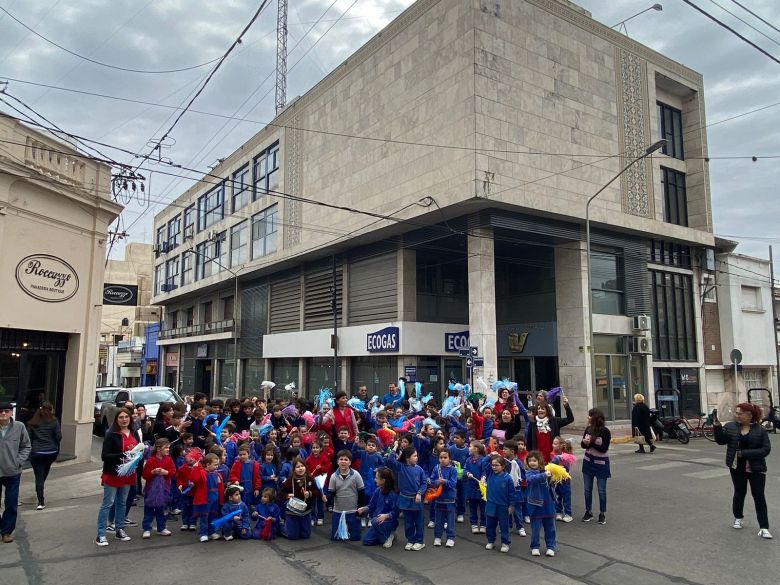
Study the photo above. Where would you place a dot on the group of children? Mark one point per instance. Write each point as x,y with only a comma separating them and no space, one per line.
281,475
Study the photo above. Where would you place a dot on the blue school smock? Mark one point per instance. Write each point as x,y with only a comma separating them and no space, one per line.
478,467
500,493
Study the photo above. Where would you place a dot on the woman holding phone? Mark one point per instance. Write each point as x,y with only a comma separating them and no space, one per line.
747,447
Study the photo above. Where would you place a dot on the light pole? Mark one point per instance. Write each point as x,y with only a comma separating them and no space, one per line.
623,22
648,151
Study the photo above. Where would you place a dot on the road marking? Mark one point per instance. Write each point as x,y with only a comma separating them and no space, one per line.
708,473
48,510
667,465
686,449
706,460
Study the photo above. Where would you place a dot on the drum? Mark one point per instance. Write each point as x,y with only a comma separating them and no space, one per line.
297,506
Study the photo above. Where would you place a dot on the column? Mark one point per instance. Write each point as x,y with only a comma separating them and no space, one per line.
482,301
407,284
571,308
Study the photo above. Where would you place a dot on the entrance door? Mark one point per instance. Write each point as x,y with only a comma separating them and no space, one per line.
454,370
428,373
611,387
203,376
524,376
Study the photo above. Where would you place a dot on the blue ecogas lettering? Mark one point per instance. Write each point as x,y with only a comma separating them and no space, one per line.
384,340
454,342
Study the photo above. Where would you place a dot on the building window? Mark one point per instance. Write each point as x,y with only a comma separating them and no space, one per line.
160,238
187,272
189,222
172,273
211,207
158,278
607,283
670,128
751,298
173,319
674,332
675,197
753,379
174,230
207,311
211,257
242,194
709,291
228,305
265,171
686,382
190,316
671,254
239,244
265,230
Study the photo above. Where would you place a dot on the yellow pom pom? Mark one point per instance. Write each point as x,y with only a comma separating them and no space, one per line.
483,490
558,473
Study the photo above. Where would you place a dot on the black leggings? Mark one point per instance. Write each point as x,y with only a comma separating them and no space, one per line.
757,482
41,464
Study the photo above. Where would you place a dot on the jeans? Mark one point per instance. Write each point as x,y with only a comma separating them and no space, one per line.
601,484
112,495
501,519
413,526
549,532
41,464
153,514
757,482
444,516
11,486
477,512
129,503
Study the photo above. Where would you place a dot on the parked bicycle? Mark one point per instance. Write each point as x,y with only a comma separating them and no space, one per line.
703,426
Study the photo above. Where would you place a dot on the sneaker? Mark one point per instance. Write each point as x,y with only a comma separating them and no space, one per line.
101,541
764,533
521,531
41,507
164,532
535,552
474,529
652,448
482,530
418,546
527,519
437,542
389,542
459,519
738,523
320,522
147,534
204,538
408,546
215,536
184,528
567,518
122,535
489,546
504,548
129,522
110,528
176,512
559,517
228,538
431,524
602,519
450,543
587,517
550,552
192,527
363,522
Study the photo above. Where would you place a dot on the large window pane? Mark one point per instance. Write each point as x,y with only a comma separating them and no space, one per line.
265,232
675,197
607,283
673,317
242,194
670,128
239,244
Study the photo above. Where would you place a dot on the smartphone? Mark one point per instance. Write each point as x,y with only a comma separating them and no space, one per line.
714,413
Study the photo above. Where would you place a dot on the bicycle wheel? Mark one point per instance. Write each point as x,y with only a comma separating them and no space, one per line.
682,435
708,433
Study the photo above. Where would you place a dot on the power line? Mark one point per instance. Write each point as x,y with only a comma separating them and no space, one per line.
774,105
107,65
746,9
745,22
732,31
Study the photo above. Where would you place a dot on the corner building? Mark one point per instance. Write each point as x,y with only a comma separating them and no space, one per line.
481,129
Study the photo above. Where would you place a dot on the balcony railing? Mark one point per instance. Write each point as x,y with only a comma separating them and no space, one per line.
225,326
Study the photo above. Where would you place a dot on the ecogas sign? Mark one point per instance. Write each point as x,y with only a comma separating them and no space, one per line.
454,342
47,278
384,340
120,294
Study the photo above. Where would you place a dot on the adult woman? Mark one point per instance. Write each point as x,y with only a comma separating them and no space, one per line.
503,402
747,447
595,463
163,427
342,416
640,419
118,440
545,426
143,422
45,437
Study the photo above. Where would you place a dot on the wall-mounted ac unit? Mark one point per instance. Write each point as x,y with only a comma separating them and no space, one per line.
189,233
640,345
167,287
641,323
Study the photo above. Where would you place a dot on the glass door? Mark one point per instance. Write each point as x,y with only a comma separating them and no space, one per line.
601,389
621,408
524,376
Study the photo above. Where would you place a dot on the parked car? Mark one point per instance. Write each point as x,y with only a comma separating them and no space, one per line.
149,396
103,395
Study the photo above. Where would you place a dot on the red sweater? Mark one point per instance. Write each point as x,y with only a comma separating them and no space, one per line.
235,474
319,465
344,419
200,490
154,462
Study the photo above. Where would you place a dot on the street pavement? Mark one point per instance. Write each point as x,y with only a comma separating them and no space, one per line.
668,521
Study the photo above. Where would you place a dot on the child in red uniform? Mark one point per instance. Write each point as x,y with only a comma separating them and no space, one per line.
246,473
158,473
207,495
319,463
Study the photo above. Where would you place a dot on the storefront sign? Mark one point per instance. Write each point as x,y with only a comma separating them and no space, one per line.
47,278
517,341
120,294
202,350
410,373
384,340
172,360
454,342
151,368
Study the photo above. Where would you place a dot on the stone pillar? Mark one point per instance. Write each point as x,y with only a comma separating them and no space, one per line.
571,308
482,301
407,285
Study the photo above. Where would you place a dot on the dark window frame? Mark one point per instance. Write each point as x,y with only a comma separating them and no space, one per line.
670,254
670,128
675,197
174,231
674,322
242,190
209,204
619,290
265,179
267,217
189,216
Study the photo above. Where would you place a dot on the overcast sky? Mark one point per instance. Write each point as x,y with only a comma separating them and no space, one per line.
169,34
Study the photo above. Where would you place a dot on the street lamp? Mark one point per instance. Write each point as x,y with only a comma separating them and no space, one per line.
648,151
623,22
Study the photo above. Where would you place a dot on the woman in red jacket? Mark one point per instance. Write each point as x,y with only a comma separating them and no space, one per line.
343,416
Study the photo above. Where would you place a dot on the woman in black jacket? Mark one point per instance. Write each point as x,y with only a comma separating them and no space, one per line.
747,447
45,436
640,419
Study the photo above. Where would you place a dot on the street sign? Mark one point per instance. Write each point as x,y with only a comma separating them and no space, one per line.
474,351
469,362
464,352
479,362
735,356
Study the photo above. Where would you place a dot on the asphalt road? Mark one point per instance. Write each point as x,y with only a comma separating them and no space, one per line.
668,521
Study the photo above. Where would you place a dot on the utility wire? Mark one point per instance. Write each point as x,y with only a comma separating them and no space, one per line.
746,9
746,23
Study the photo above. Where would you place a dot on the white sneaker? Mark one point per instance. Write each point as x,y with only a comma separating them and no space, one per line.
566,518
147,534
40,507
550,552
418,546
535,552
215,536
437,542
474,529
184,528
450,543
389,542
320,522
527,519
176,512
764,533
521,531
459,519
101,541
738,523
204,538
559,516
489,546
363,522
505,548
431,524
229,537
408,546
164,532
482,529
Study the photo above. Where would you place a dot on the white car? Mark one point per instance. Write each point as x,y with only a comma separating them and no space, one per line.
149,396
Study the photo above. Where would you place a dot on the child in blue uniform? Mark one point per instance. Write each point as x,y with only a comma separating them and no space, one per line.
269,469
541,503
476,468
516,470
459,452
382,510
240,525
370,461
411,487
445,475
562,455
267,515
500,502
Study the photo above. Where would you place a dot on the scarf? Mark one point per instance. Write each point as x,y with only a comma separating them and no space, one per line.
542,425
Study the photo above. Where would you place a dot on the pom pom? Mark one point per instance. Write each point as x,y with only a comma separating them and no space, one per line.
430,421
554,393
342,532
558,473
450,404
268,384
290,387
432,493
427,398
226,519
356,404
402,387
481,385
483,489
132,459
418,390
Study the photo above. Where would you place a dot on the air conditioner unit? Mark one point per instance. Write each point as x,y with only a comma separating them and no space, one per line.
641,323
189,233
156,250
167,287
640,345
211,236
